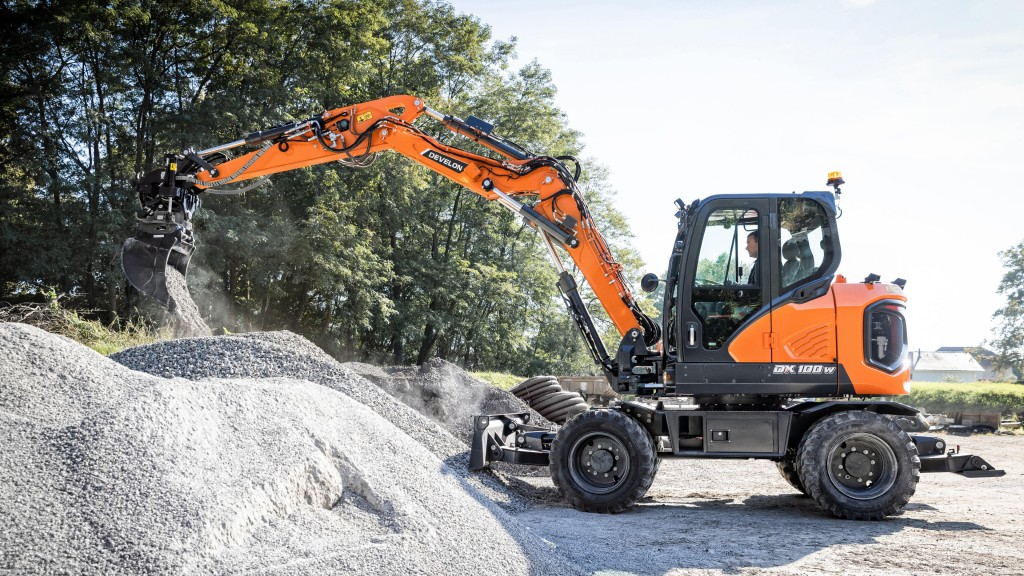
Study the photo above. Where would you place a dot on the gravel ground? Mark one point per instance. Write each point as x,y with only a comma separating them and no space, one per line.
106,470
259,454
741,517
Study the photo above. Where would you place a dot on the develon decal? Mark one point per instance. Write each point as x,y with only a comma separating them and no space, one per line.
446,161
803,369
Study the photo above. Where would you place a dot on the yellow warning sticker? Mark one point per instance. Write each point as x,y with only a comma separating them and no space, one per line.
364,116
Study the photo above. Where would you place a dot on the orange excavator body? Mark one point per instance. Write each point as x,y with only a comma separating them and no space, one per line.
775,334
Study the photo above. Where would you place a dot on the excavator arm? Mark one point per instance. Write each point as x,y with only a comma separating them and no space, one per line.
353,136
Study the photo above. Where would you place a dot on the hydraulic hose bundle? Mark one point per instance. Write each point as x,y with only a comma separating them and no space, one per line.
545,395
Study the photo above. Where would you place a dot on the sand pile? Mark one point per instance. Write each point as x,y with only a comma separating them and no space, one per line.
106,470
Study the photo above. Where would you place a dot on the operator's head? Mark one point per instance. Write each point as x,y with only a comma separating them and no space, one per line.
752,244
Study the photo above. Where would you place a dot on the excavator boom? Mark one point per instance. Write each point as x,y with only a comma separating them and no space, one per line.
353,135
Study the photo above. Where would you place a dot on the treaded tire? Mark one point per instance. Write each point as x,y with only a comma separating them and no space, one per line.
787,468
844,480
624,445
521,389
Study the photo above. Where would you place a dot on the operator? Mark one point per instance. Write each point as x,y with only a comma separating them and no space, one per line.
755,270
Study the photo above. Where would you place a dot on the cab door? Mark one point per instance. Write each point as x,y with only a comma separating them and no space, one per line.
724,283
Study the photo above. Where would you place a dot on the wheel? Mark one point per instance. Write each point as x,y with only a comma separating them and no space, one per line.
858,465
602,461
787,468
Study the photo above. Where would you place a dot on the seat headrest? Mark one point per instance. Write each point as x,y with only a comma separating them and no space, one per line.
805,248
790,250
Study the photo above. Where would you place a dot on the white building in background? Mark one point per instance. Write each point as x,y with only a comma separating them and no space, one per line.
985,357
944,367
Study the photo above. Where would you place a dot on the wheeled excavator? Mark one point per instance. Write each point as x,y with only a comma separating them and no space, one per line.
763,351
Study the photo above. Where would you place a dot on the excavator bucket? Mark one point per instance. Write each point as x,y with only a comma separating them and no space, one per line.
145,259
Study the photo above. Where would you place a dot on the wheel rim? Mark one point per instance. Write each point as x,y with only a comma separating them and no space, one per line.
598,463
862,466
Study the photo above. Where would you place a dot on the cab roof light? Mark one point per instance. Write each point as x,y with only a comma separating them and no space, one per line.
835,179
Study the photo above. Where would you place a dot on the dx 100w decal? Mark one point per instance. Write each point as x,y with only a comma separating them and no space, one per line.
803,369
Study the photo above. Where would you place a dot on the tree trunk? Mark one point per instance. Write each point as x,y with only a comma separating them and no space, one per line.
430,335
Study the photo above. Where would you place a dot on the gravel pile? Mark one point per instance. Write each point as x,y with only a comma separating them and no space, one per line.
106,470
282,354
285,354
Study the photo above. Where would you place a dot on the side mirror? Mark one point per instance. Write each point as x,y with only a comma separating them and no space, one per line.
649,283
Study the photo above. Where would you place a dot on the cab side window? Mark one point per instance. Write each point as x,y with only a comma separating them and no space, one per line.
805,242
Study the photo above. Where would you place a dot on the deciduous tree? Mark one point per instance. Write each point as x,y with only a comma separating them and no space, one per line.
1009,342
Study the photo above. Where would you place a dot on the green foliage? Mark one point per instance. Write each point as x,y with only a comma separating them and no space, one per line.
1004,398
1009,342
57,319
391,263
716,271
500,380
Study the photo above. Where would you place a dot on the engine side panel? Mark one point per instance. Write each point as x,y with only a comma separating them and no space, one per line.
851,302
805,332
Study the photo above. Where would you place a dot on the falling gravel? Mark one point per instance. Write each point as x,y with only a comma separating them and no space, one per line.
109,470
188,321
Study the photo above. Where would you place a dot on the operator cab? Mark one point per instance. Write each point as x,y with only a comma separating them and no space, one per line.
738,258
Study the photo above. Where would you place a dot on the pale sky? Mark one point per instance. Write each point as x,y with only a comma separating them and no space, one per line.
919,104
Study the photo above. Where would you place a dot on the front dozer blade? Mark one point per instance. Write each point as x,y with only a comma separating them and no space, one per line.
508,438
145,259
